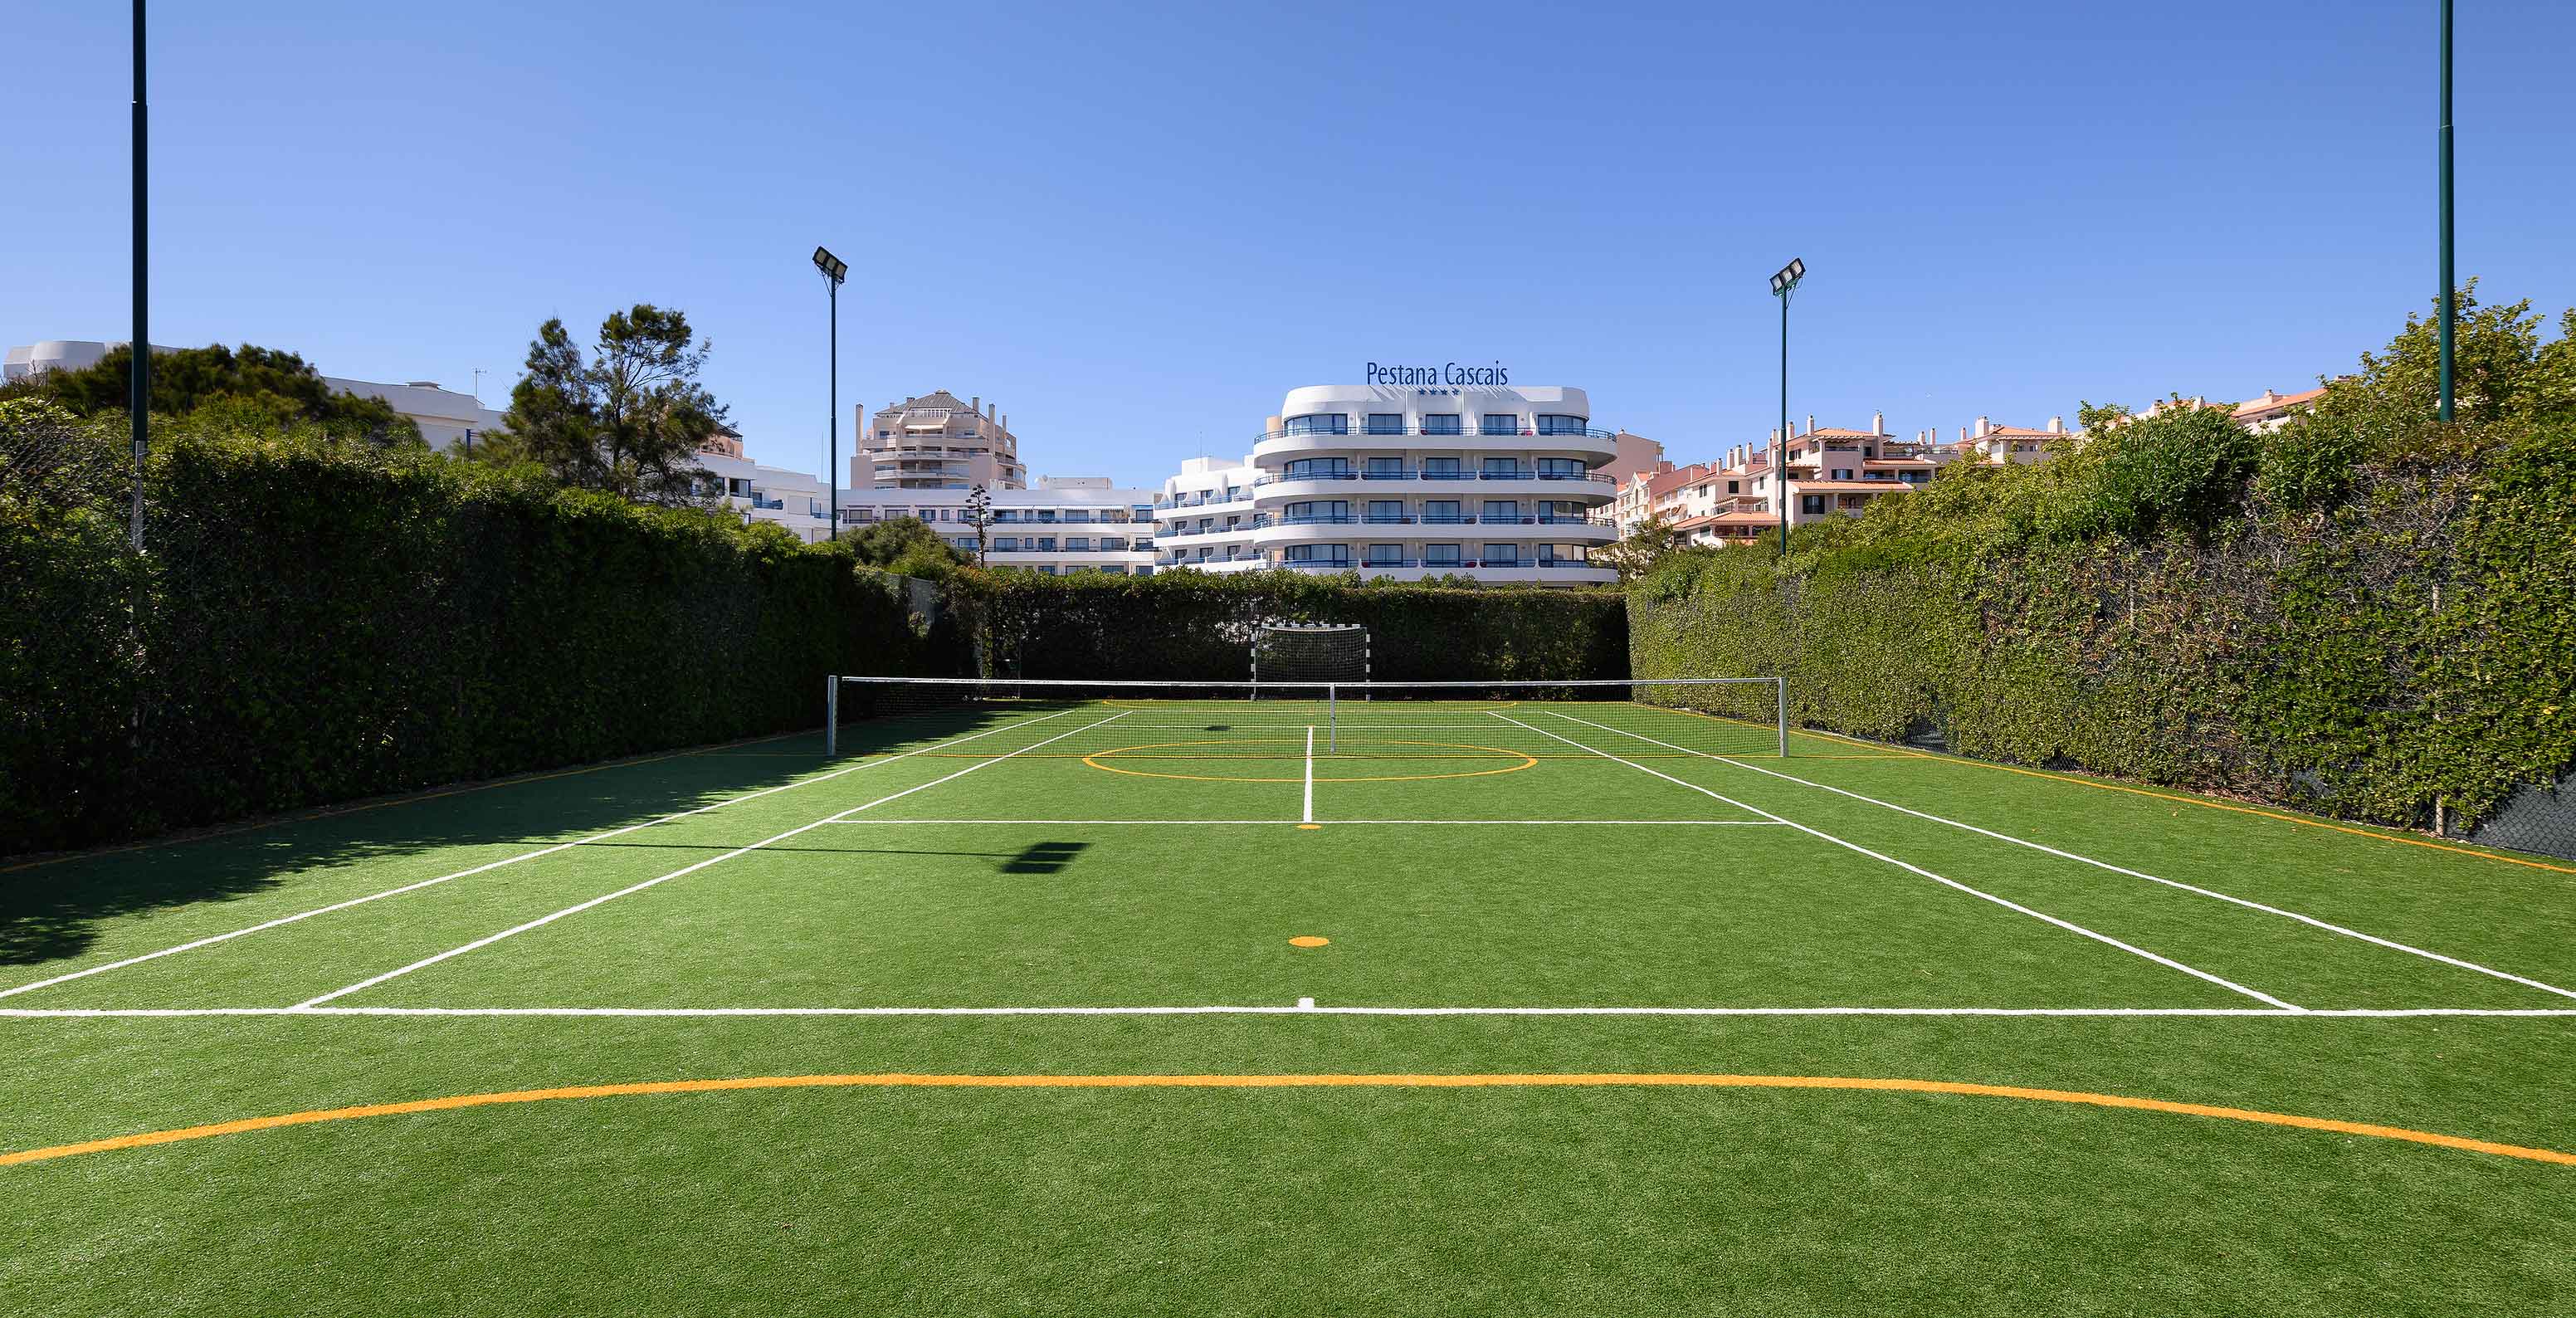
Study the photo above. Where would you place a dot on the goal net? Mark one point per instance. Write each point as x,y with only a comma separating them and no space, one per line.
1656,718
1310,652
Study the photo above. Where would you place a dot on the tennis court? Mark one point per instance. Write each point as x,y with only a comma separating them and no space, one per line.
1591,906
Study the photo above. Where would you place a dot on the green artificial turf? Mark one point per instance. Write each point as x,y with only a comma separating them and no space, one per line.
1143,856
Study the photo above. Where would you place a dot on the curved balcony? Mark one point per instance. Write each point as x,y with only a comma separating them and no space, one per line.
1595,446
1525,482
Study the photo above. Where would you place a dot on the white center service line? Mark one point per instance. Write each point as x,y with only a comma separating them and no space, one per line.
2007,904
512,860
2374,939
1310,774
578,908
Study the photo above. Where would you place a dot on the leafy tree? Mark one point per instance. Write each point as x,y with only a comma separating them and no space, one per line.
905,545
629,419
1635,556
268,387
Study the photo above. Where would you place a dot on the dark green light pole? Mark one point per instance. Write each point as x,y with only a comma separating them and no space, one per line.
138,388
1782,285
834,270
2448,310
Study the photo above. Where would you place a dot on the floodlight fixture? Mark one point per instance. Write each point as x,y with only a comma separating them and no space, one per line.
1782,284
833,267
834,271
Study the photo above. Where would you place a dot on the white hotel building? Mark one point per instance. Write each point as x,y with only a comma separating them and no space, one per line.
1067,524
1492,482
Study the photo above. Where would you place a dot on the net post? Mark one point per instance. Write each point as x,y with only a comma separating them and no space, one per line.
1780,686
1332,717
831,716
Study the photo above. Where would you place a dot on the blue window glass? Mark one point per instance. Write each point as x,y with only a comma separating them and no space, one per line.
1552,423
1386,423
1320,423
1442,423
1499,423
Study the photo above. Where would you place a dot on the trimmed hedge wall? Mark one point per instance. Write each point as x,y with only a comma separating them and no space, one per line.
1198,625
315,624
2409,642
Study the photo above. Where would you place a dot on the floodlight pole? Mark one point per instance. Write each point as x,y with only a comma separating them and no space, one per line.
1782,285
138,396
2449,311
834,269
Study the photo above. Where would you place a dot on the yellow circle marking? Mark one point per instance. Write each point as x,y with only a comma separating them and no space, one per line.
1600,1080
1308,940
1094,759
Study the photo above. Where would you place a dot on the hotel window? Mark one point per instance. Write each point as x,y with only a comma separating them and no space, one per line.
1317,510
1557,424
1320,423
1078,544
1386,510
1910,477
1811,503
1842,473
1386,423
1386,555
1501,468
1500,423
1502,555
1439,511
1504,511
1320,469
1045,544
1441,423
1338,555
1440,469
1562,469
1440,555
1113,542
1006,542
1383,468
1569,555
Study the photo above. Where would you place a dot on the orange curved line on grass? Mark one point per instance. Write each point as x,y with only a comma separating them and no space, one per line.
1589,1080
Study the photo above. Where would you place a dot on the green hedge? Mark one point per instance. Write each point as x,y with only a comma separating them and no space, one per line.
1198,625
2407,637
314,623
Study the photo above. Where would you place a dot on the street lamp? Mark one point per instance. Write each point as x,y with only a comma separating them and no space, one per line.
1782,285
834,271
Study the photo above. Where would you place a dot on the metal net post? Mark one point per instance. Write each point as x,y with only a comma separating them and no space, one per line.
831,716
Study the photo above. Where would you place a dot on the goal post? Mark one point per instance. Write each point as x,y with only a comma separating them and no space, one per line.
1309,652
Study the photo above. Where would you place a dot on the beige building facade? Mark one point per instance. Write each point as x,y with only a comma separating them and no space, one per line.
937,442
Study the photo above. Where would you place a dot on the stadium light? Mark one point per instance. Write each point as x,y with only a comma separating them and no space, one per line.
1782,285
834,271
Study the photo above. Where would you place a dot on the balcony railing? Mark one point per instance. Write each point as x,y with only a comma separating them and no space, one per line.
1516,474
1462,431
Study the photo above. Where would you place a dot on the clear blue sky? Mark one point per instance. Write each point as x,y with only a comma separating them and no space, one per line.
1135,227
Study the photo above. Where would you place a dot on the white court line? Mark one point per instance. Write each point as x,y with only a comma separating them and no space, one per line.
1275,823
2274,1013
579,907
513,860
1310,774
2067,925
2390,944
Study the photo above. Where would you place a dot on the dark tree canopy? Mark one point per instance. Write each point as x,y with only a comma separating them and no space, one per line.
629,418
268,385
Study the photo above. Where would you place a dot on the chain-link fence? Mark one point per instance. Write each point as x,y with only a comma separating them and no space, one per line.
2537,818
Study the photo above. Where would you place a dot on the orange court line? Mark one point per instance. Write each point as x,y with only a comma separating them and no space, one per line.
333,812
1584,1080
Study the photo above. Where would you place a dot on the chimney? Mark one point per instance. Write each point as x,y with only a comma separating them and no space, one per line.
990,409
1811,423
1984,427
976,404
1878,423
2057,425
1963,434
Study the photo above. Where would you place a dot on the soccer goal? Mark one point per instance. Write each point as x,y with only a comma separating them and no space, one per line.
1309,652
1647,718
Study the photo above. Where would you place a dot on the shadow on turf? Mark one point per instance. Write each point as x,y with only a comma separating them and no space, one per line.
1044,858
51,911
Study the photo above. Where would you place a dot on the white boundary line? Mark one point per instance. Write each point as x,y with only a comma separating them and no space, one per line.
2390,944
2067,925
579,907
2274,1013
1310,775
513,860
1275,823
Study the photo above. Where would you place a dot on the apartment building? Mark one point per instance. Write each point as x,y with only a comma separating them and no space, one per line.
1499,483
1998,446
447,419
935,442
1067,524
